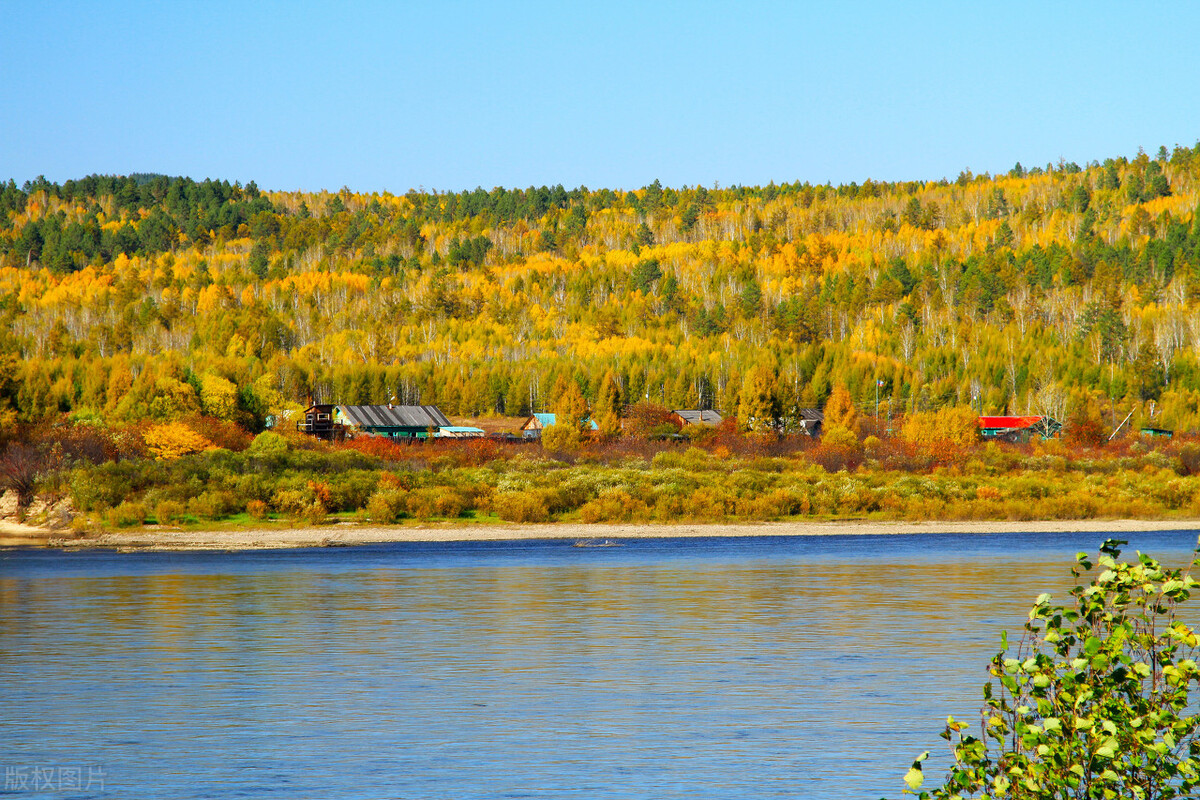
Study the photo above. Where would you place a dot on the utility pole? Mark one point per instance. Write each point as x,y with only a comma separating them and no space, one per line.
878,383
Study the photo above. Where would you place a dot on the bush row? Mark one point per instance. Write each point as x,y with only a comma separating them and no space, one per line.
272,479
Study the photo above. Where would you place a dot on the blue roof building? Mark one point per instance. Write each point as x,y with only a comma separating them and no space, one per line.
532,429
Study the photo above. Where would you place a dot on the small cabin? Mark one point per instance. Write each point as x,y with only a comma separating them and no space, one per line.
810,421
1018,429
319,420
533,427
1157,433
705,417
460,432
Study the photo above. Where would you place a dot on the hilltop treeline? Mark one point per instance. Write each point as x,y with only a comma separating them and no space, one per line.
1061,289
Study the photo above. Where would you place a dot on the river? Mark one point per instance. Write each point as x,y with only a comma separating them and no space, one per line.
801,667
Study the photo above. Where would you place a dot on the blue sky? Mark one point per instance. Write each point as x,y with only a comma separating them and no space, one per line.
454,95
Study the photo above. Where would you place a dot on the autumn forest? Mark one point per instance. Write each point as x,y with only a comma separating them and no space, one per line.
1066,290
1035,291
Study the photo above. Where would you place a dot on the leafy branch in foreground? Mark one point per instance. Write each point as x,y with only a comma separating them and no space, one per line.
1093,701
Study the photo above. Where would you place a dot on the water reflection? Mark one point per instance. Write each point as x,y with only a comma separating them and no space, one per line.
745,668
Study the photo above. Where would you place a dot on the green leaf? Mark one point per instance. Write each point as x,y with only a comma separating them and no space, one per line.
1112,547
915,777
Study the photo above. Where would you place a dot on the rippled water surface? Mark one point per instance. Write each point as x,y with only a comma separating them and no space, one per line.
807,667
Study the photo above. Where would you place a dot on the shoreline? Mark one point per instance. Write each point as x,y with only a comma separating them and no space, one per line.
345,535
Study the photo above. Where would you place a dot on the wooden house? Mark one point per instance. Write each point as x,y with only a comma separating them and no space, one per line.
810,421
319,421
533,427
706,417
398,422
1018,429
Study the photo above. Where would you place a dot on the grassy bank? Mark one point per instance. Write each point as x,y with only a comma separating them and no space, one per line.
279,481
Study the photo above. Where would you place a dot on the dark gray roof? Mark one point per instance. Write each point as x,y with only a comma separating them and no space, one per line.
812,414
395,416
697,417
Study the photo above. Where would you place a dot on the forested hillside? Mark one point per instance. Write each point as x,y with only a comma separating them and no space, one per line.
1058,290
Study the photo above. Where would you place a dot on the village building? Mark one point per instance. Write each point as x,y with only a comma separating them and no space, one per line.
810,421
533,427
335,422
1018,429
318,421
460,432
706,417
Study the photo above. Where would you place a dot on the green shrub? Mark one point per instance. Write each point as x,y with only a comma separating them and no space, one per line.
772,505
214,505
669,459
168,512
386,506
252,486
708,504
1029,488
1175,494
857,499
291,501
1159,459
1093,700
615,505
670,506
126,515
521,507
314,513
268,443
441,463
351,490
103,486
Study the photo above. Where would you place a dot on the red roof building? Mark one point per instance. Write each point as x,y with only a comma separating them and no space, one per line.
1018,428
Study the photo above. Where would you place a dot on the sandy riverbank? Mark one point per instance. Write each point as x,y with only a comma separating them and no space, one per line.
12,534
